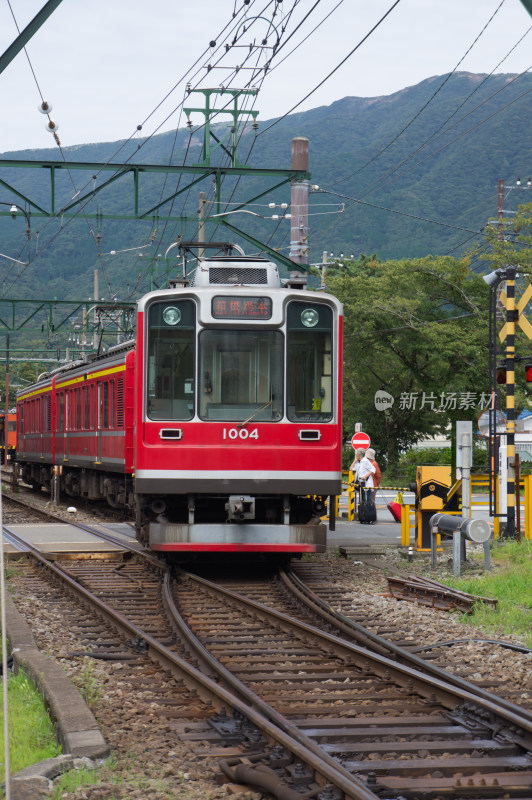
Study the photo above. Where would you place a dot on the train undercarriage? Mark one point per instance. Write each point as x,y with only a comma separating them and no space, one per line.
195,522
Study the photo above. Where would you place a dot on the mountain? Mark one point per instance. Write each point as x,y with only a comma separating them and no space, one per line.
435,151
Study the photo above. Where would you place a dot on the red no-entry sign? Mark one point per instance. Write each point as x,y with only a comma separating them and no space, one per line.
361,439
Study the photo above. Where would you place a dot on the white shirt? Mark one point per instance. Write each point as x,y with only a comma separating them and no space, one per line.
366,470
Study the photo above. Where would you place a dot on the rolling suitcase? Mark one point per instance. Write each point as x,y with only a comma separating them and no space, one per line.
367,512
395,510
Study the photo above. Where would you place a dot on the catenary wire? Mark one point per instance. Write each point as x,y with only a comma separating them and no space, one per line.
347,57
424,106
81,210
443,129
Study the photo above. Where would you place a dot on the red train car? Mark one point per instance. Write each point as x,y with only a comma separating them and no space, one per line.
78,419
220,425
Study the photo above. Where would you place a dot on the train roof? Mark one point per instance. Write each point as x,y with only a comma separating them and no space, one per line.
236,271
89,359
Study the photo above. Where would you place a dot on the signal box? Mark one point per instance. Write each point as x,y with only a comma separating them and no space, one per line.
431,487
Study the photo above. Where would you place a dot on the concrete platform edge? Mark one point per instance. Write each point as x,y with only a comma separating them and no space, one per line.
76,727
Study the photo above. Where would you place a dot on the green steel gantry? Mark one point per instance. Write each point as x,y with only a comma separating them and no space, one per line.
52,315
121,172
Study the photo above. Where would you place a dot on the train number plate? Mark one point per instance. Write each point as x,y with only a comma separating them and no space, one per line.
240,433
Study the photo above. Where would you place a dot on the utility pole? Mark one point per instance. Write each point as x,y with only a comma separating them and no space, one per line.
323,270
299,201
500,205
201,224
96,291
7,379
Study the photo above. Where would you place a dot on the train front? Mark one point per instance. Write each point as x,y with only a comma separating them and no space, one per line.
238,428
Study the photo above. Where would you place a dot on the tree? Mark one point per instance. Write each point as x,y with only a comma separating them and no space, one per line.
416,330
513,245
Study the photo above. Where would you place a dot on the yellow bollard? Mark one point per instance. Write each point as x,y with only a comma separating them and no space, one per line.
405,525
351,497
527,480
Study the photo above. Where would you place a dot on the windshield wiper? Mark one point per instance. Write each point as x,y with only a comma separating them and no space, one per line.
245,422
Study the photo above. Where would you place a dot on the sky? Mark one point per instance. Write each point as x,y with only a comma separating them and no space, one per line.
106,65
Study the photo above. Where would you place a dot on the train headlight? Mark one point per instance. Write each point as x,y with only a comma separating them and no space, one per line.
171,315
309,317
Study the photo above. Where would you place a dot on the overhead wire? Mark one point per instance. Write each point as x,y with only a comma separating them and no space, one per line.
249,82
336,68
401,213
461,135
464,133
426,104
315,5
443,128
81,209
153,111
246,99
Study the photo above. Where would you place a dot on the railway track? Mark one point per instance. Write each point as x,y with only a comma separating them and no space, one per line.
362,619
301,711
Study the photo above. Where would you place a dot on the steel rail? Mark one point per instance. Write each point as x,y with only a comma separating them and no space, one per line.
246,693
344,624
448,694
208,690
15,540
132,546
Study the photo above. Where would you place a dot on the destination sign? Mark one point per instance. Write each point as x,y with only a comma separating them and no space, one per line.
238,307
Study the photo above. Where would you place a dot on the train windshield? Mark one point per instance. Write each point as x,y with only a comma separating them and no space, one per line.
171,359
241,375
309,362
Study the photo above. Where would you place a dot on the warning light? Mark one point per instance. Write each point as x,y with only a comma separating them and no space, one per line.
500,375
528,373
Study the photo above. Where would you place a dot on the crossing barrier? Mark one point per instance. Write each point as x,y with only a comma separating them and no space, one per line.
478,481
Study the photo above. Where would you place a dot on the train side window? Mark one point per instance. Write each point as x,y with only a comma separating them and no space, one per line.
309,362
61,409
78,409
47,415
171,354
87,407
112,403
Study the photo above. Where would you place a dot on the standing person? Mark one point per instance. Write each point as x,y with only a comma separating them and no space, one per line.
366,471
359,455
377,475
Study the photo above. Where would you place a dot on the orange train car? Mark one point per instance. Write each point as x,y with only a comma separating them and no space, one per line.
8,436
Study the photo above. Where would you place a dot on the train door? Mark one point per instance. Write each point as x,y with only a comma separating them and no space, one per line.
3,439
66,395
99,420
41,427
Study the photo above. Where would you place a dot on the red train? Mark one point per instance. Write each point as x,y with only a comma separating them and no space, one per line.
220,425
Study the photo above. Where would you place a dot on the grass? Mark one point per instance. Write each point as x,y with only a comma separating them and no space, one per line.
72,780
89,683
125,776
31,732
510,583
